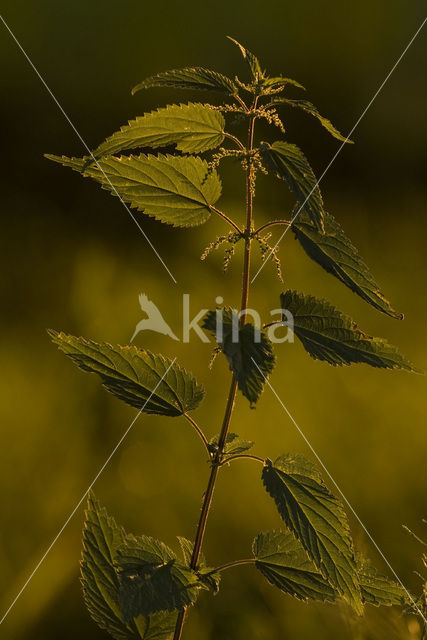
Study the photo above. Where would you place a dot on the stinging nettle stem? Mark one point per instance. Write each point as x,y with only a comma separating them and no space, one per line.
207,500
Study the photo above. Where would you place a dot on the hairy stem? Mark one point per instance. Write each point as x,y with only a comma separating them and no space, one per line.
199,431
272,224
216,462
226,218
234,563
240,456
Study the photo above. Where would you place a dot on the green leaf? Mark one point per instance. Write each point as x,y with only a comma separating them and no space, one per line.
247,349
251,60
336,254
281,558
233,444
377,589
176,190
275,85
317,519
194,78
287,162
186,548
308,107
329,335
208,577
152,579
192,127
143,380
100,582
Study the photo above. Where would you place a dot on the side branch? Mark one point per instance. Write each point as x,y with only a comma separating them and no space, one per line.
240,456
227,219
198,431
236,140
234,563
271,224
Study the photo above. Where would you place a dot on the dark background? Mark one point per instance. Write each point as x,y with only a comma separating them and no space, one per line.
72,259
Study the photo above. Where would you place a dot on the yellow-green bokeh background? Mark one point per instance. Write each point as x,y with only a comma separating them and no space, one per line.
73,260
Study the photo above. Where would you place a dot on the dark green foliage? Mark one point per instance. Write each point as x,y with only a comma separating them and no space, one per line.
308,107
329,335
281,558
247,349
336,254
152,579
377,589
137,587
317,519
178,191
252,62
101,585
192,127
233,444
287,162
193,78
151,383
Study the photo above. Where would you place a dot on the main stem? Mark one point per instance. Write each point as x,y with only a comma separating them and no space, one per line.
207,499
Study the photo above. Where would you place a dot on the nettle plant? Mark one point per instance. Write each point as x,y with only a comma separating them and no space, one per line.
136,586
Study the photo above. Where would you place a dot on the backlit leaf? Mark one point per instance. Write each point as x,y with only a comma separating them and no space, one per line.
287,162
377,589
336,254
233,444
329,335
193,128
251,60
143,380
317,519
308,107
175,190
281,558
193,78
247,349
100,582
152,579
275,85
208,577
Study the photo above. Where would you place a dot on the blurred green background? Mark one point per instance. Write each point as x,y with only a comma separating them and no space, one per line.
73,260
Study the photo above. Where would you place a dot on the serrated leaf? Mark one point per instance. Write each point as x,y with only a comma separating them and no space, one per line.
308,107
175,190
379,590
143,380
334,252
233,444
317,519
186,548
247,349
194,78
101,538
281,558
152,579
208,578
192,127
331,336
251,60
277,84
287,162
